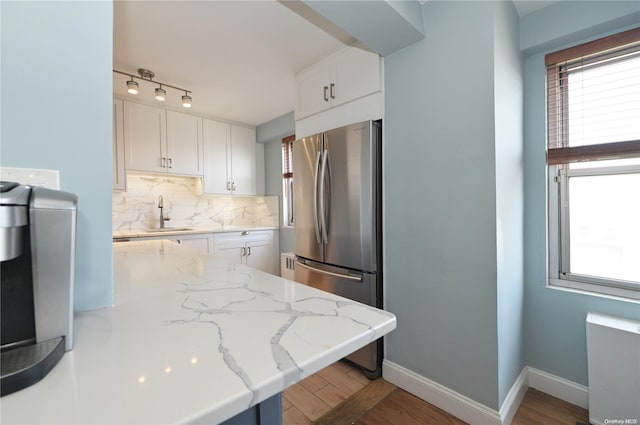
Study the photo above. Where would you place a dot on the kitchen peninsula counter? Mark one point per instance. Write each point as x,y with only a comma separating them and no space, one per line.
192,339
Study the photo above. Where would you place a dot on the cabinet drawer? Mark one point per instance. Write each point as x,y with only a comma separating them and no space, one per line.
247,236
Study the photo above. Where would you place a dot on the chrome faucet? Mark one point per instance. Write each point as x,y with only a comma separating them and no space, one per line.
162,217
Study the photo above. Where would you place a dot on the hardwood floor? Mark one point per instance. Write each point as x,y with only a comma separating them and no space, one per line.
332,398
539,408
315,396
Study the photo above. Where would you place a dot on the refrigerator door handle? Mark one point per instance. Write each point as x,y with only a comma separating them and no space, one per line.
325,180
315,198
340,275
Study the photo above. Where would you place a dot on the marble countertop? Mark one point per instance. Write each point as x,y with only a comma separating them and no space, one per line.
143,233
192,338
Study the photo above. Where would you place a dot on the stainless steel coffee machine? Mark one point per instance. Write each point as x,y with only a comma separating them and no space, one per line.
37,253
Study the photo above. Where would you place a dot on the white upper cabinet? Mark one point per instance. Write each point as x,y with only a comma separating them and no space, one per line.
216,136
119,175
356,74
312,89
243,160
230,159
346,75
184,143
161,141
145,138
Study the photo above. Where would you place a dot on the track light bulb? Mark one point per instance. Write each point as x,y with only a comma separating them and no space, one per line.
160,94
186,101
132,87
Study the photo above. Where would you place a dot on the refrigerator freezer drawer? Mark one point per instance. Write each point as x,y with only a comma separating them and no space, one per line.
356,286
361,287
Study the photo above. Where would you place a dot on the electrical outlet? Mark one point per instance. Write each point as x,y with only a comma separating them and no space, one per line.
32,177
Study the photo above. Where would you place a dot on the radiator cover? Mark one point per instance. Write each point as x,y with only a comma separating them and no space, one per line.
613,352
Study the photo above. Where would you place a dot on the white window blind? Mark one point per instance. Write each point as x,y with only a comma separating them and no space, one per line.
287,156
287,180
593,100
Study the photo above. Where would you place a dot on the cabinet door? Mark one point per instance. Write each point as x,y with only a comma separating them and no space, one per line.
356,74
243,160
119,176
144,137
231,250
312,89
184,144
216,143
199,244
260,255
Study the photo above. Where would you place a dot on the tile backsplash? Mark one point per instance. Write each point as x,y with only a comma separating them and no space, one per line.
185,205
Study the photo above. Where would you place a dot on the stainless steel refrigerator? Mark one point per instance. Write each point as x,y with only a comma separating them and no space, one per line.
337,214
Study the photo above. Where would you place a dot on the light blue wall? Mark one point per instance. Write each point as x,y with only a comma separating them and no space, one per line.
508,83
276,129
554,319
56,114
271,134
440,201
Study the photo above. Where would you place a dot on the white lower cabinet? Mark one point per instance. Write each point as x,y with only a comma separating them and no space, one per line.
201,244
253,248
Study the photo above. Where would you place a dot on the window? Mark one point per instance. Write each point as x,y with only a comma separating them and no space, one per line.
593,158
287,180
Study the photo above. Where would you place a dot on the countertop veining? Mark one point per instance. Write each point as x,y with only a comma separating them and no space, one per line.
192,338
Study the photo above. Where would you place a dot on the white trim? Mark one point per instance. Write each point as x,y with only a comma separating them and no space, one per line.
514,397
595,290
558,387
448,400
473,412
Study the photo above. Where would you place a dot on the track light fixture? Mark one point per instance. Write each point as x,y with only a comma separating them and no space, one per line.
160,93
186,100
132,87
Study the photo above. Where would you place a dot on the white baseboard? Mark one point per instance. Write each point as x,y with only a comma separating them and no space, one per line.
559,387
514,397
448,400
476,413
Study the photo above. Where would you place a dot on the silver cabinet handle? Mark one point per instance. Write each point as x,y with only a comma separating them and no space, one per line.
331,91
170,162
243,252
245,233
163,164
228,185
233,185
248,251
326,99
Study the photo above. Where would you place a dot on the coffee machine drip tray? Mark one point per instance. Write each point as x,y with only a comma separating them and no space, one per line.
24,366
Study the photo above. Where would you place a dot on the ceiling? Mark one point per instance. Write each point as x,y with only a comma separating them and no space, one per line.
238,58
524,7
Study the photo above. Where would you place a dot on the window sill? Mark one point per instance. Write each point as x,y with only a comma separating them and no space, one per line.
618,294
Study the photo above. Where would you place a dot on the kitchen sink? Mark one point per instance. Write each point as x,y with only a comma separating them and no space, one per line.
168,229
